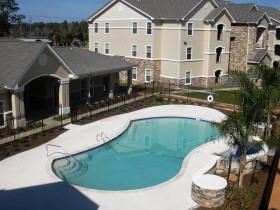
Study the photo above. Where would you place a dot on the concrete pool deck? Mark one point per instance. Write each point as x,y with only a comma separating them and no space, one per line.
27,181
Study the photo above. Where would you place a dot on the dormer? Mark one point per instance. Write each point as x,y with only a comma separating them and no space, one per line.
254,8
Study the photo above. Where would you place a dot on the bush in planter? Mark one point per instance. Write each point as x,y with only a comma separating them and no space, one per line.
64,117
33,125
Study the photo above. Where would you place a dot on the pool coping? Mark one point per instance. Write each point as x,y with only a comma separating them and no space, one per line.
152,198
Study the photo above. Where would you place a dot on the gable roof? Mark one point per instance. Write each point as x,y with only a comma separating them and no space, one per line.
212,16
157,9
15,58
259,55
84,62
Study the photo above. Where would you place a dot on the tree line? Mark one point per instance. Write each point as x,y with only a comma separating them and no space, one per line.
59,33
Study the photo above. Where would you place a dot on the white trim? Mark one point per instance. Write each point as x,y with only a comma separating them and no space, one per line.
166,59
193,77
188,28
138,9
214,53
208,57
95,28
44,75
95,47
106,28
132,50
146,51
192,9
147,27
136,69
255,7
151,75
105,48
133,27
93,16
189,47
188,71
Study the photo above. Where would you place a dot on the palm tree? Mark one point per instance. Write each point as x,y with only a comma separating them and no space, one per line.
270,88
239,126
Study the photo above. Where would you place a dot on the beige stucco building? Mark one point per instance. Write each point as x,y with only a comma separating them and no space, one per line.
186,42
189,45
38,80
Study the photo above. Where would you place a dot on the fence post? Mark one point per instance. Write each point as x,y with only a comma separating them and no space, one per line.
234,99
229,167
169,92
145,89
153,87
42,122
60,117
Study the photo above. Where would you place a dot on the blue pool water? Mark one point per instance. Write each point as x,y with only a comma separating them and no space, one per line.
148,153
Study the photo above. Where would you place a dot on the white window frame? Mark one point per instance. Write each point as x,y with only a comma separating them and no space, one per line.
132,31
96,28
151,75
146,52
106,44
3,113
190,78
96,44
188,29
148,22
134,45
134,68
188,53
106,28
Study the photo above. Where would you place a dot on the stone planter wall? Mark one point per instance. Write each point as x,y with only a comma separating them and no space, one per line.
208,198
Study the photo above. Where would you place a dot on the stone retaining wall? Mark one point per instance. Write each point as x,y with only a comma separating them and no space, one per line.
208,198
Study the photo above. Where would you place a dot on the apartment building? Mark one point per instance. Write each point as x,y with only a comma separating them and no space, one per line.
178,42
255,35
185,42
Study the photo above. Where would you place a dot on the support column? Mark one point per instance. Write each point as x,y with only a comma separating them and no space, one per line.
129,78
64,97
18,109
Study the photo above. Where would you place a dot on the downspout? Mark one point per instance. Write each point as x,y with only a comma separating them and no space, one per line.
208,57
179,53
247,53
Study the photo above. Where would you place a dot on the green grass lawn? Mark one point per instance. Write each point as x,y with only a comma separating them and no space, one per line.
229,97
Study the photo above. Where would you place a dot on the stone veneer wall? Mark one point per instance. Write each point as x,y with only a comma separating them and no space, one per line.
142,64
197,82
208,198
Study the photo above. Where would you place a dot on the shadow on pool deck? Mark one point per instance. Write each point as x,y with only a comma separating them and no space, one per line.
57,196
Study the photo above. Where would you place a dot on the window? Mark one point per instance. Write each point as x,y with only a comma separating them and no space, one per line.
83,88
134,28
278,33
134,50
107,49
189,53
148,75
107,30
96,28
149,28
148,52
1,113
220,32
188,78
190,29
259,39
134,73
219,51
96,47
277,50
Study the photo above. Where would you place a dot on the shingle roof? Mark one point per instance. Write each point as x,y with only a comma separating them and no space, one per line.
161,9
259,55
15,58
84,62
272,13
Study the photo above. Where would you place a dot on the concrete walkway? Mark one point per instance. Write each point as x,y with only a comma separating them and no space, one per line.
27,181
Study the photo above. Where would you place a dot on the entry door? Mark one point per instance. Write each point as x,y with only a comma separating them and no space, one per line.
1,113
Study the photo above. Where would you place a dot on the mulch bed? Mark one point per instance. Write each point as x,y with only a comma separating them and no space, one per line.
27,143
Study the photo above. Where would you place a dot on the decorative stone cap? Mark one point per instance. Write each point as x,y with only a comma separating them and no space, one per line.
209,182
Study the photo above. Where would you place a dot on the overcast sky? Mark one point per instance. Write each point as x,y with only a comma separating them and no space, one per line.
74,10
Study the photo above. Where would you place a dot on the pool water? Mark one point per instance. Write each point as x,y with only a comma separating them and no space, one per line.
148,153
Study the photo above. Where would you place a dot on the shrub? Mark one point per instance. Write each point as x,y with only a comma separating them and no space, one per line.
33,125
64,117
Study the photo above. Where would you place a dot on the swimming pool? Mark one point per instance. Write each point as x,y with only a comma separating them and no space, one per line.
148,153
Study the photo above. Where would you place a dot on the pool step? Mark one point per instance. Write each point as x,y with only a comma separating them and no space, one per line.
68,168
